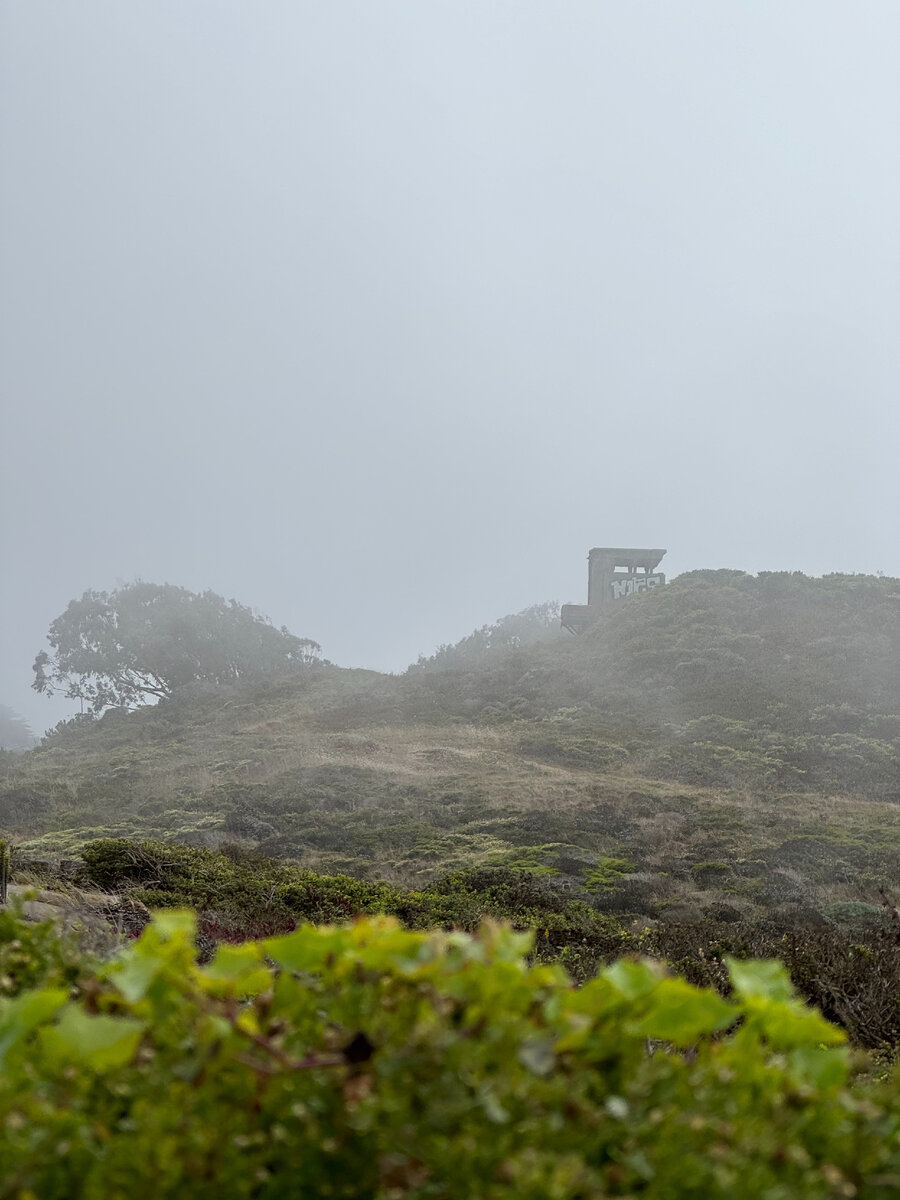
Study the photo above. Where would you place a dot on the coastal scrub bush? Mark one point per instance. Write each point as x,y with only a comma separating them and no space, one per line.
608,873
244,896
847,965
367,1061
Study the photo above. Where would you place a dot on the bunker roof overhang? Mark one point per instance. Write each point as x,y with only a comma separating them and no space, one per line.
622,556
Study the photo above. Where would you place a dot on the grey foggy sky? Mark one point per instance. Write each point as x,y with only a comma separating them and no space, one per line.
377,316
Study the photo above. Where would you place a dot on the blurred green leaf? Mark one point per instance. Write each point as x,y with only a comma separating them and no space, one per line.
820,1066
681,1014
134,973
20,1016
176,924
101,1042
633,978
788,1025
765,978
307,949
238,970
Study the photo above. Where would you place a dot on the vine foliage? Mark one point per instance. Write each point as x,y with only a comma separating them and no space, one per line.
371,1061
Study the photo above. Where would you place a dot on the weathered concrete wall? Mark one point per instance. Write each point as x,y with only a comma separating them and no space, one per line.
614,572
618,571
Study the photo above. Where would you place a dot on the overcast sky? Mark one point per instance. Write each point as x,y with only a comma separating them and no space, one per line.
376,316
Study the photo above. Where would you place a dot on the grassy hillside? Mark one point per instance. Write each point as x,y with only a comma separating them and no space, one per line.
724,747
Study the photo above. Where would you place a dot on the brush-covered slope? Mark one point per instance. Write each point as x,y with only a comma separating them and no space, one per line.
726,743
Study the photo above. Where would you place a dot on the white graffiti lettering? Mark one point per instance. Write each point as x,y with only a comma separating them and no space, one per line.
631,585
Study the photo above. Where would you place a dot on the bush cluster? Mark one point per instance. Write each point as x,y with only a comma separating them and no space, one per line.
369,1061
848,965
252,895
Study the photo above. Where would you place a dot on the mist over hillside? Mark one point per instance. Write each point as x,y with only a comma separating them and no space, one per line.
329,334
713,764
750,722
773,679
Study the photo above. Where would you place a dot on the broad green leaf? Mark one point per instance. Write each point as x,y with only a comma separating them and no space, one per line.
787,1025
379,930
765,978
101,1043
134,974
20,1016
597,997
238,970
216,1028
632,979
823,1067
382,945
306,949
175,923
681,1014
463,945
503,943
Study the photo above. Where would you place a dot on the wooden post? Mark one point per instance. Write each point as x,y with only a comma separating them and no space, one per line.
4,869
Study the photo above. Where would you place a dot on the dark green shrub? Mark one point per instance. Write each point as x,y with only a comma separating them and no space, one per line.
116,862
371,1062
507,889
709,874
725,914
608,873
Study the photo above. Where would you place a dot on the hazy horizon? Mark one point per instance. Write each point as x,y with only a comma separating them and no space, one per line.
378,317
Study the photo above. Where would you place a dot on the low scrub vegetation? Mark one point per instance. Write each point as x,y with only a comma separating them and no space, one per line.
370,1061
846,962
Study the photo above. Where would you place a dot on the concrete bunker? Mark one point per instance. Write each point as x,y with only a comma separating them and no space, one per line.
614,572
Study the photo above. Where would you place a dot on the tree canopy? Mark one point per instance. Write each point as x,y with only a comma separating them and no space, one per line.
144,641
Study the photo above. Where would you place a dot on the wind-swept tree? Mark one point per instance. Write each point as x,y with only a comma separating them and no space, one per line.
145,640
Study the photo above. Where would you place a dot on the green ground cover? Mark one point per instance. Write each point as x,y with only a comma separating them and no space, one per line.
370,1061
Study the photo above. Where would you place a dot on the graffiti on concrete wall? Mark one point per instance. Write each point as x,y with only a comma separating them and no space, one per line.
630,585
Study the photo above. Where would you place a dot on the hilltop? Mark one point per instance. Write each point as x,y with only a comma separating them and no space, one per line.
728,744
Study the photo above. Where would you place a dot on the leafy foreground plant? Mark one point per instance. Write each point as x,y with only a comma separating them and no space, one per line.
370,1061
